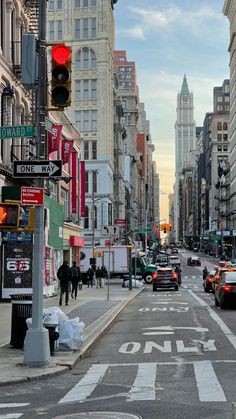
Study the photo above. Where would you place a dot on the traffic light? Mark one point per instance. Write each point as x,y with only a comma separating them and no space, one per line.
61,76
9,215
170,227
164,229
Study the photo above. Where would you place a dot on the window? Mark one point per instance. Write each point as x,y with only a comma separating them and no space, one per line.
77,29
53,190
219,126
51,30
77,90
85,120
121,68
219,107
93,3
124,103
94,182
86,150
86,182
94,27
219,99
95,215
86,89
94,89
85,3
128,76
93,59
85,28
78,116
59,30
59,4
86,218
94,150
227,88
93,120
219,148
225,137
51,5
225,148
227,99
219,137
77,3
85,58
78,61
121,59
225,126
65,202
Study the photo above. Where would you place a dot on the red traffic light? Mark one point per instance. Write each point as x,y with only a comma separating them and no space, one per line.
61,54
9,215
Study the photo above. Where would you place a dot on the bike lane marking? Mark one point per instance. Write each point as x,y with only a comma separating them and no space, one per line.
225,329
209,388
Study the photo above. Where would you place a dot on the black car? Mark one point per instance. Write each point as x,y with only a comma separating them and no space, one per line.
162,260
165,278
225,289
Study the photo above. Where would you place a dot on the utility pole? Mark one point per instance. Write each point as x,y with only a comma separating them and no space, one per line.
37,352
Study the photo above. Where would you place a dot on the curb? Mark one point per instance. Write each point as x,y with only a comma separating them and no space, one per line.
62,367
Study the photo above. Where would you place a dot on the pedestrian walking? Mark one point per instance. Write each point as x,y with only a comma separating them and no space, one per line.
90,276
178,272
204,273
99,277
103,275
64,276
75,272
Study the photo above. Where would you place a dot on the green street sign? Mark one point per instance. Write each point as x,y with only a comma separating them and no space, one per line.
17,131
142,230
48,124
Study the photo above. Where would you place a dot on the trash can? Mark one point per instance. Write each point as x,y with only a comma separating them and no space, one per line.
51,324
21,310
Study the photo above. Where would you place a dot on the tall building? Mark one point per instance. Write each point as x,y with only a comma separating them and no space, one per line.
88,27
185,143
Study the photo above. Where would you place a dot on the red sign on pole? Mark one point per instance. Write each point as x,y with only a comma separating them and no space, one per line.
32,196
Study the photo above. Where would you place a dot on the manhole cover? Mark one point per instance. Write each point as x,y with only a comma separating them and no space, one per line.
99,415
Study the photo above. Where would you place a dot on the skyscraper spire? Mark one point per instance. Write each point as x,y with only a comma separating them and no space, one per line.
184,89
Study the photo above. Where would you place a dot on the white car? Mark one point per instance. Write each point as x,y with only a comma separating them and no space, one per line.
174,260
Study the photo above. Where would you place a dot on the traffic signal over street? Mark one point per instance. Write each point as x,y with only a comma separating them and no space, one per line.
61,76
9,215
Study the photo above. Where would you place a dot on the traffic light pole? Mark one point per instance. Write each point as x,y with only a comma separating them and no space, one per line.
37,351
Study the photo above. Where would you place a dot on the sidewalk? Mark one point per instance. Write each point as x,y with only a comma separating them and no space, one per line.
92,307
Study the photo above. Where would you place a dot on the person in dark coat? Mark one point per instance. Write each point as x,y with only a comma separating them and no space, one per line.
75,271
90,275
64,275
99,277
103,275
204,273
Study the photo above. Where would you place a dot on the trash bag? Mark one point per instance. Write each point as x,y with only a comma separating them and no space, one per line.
71,334
61,316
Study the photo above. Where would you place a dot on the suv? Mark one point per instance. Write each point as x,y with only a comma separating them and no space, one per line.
174,260
165,278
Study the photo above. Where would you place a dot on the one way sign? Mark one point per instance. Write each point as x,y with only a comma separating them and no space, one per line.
37,168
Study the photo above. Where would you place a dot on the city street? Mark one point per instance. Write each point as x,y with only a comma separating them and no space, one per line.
170,355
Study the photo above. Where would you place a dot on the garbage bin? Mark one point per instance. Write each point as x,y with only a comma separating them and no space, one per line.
51,324
21,310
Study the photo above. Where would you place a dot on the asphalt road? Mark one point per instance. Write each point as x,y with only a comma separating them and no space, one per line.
171,355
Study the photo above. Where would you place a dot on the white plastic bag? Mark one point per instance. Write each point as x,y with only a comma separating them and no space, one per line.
61,316
71,334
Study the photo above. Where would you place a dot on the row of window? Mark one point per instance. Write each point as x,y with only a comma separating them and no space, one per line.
221,126
221,137
85,59
57,4
86,89
124,85
219,99
90,150
84,29
86,120
220,148
128,69
124,76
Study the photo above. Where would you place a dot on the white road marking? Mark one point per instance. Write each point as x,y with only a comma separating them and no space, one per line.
209,388
4,405
11,415
171,328
143,387
86,385
227,332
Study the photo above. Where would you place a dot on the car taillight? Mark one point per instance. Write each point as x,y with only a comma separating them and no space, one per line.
210,279
227,288
175,275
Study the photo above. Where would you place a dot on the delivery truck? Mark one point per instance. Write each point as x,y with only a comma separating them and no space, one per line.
119,261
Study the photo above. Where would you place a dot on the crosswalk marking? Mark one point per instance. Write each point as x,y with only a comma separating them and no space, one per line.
85,387
143,387
209,388
144,384
11,416
4,405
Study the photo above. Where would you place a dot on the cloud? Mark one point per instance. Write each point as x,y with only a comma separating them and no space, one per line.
136,32
174,18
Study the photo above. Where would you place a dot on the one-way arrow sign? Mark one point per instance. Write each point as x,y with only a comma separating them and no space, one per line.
37,168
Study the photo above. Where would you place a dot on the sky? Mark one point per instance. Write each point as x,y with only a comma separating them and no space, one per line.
168,39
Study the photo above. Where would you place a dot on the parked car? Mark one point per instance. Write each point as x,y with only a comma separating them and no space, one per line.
165,278
225,289
174,260
194,261
174,250
218,274
207,282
